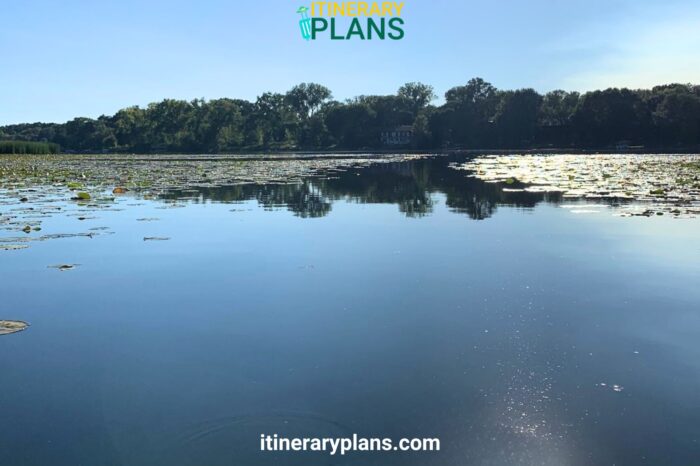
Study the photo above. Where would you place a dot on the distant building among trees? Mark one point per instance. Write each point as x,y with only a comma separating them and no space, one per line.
398,136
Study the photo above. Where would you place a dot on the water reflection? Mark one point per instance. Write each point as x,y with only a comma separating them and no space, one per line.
504,339
410,185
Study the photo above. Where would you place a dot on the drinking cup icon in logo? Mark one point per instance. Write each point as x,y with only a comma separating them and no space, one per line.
305,22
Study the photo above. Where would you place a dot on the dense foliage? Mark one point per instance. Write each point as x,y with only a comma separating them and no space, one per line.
473,116
27,147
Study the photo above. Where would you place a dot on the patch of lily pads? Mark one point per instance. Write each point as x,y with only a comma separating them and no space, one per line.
12,326
88,175
13,247
635,185
37,187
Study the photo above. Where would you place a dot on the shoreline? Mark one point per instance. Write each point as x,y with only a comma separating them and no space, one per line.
321,154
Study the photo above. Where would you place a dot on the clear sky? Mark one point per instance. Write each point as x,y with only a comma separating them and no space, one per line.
68,58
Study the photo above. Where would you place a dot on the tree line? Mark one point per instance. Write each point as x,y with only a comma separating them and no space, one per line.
473,116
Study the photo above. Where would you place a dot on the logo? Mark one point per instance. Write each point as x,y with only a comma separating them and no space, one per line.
352,20
305,23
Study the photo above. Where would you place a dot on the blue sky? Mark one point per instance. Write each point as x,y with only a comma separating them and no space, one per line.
87,58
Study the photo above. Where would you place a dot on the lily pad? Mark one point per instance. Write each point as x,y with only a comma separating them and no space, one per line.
63,267
12,326
12,247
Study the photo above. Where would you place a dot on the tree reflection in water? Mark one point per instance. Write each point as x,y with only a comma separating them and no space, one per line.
411,185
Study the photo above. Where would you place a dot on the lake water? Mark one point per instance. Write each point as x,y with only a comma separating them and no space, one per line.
393,300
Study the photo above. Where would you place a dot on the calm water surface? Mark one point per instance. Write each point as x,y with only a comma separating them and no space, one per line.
398,300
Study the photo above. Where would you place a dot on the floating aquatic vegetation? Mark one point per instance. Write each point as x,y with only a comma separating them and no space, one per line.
12,326
38,187
66,235
63,267
664,184
13,247
157,174
15,239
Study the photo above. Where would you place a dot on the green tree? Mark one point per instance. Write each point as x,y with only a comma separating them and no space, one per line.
677,115
606,117
130,128
85,134
352,125
468,114
276,121
516,117
418,94
307,98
